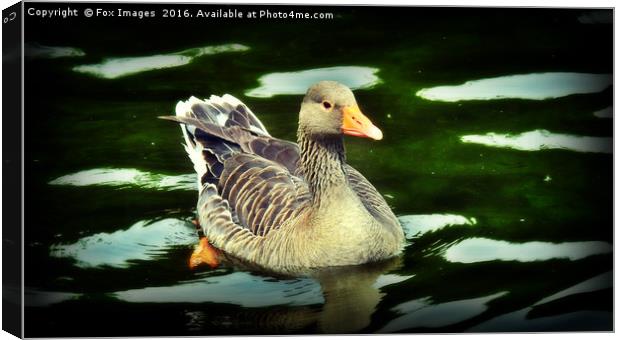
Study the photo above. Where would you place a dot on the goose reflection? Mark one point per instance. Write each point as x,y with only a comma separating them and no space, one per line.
348,298
352,294
330,300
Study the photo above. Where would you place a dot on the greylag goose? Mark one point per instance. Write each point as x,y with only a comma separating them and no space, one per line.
286,206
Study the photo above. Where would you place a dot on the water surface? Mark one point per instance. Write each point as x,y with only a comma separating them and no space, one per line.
497,159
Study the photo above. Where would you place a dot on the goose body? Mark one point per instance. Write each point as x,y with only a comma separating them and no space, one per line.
282,205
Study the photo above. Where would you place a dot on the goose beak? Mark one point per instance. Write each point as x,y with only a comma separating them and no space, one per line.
354,123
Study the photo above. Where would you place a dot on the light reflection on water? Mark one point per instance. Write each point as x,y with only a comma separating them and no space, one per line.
479,249
598,282
36,298
535,86
297,82
521,320
607,112
127,178
33,50
423,313
415,225
348,295
145,240
112,68
542,140
238,288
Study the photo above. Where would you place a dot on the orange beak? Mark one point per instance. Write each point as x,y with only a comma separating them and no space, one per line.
354,123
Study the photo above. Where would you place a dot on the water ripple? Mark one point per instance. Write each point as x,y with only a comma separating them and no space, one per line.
238,288
112,68
415,225
542,140
37,298
124,178
607,112
297,82
479,249
535,86
145,240
598,282
34,50
521,320
422,313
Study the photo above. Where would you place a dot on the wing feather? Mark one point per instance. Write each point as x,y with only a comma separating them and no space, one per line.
261,192
370,197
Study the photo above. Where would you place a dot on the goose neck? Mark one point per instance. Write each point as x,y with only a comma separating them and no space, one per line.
322,165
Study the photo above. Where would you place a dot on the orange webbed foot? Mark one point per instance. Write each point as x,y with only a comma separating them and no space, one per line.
204,253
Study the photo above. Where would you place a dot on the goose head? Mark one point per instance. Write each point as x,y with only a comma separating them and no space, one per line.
330,109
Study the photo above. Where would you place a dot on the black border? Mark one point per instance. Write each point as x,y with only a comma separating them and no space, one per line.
12,242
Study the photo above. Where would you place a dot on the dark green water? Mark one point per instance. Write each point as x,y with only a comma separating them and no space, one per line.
506,232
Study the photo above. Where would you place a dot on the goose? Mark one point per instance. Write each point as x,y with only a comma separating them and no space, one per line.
281,205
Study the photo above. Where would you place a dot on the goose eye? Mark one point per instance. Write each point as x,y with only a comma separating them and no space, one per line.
327,105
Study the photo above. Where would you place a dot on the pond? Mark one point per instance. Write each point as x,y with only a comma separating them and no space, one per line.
497,158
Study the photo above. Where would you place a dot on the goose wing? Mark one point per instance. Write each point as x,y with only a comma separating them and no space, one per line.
246,177
254,197
262,193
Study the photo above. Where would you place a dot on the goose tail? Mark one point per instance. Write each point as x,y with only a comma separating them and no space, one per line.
205,125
